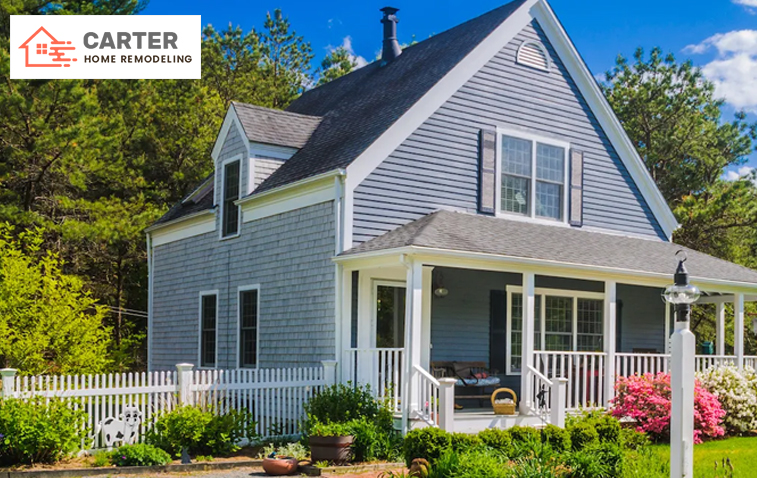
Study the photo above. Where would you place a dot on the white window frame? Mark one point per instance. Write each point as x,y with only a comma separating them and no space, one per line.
240,289
220,195
533,138
202,294
543,293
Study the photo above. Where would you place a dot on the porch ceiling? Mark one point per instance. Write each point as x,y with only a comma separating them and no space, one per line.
452,231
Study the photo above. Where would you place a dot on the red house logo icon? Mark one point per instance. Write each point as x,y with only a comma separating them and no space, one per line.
43,50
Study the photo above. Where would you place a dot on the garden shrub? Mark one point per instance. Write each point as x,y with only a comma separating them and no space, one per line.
481,463
497,439
599,460
200,431
632,439
646,399
737,393
371,442
341,403
557,438
140,454
524,434
462,442
428,443
583,434
32,431
294,450
608,429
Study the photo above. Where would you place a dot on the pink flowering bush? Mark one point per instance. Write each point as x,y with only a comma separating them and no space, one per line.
646,400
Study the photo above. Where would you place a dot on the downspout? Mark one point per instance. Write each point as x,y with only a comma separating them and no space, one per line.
149,302
338,268
407,380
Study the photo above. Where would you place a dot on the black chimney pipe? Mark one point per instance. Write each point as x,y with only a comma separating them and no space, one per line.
391,47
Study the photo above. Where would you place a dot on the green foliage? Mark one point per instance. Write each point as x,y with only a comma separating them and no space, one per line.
480,463
583,434
600,460
201,432
465,441
428,443
293,449
497,439
342,403
524,434
330,429
102,458
631,439
140,455
337,63
32,431
372,442
557,438
48,324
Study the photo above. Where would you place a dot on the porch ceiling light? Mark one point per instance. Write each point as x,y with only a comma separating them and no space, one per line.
439,290
681,292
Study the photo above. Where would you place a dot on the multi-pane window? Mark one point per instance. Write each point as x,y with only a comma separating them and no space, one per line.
532,181
208,324
230,211
564,321
248,328
41,48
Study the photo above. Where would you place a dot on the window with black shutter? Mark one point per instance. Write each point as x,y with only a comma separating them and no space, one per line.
248,328
229,210
208,324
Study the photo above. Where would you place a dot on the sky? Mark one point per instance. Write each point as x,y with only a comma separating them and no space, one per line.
718,35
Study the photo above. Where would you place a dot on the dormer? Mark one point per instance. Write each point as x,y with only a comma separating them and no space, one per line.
252,144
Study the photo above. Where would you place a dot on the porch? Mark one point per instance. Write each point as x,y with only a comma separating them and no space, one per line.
560,328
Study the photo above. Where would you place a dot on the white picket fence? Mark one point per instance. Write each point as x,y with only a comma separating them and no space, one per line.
274,397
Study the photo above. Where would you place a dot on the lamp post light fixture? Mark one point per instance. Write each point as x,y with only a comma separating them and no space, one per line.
683,348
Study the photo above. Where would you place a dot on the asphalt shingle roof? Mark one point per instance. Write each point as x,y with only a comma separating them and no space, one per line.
357,108
470,233
282,128
202,200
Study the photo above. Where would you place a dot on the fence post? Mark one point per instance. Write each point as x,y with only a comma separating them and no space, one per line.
447,404
9,375
185,383
329,372
557,407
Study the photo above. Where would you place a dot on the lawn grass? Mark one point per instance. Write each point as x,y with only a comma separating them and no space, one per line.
741,451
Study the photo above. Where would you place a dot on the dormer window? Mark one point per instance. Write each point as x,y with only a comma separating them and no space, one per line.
231,188
533,174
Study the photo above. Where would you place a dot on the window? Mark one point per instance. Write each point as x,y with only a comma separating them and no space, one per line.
564,321
41,48
229,210
390,316
248,327
532,177
208,327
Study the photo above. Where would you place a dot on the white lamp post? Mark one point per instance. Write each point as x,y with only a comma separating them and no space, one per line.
682,295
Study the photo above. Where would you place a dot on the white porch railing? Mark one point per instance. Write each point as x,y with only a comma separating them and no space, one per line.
627,364
428,396
751,362
381,368
585,372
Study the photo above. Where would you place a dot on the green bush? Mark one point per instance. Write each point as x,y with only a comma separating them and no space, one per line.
496,439
102,458
428,443
631,439
371,442
582,435
140,455
599,460
524,434
463,442
482,463
32,431
608,429
200,431
557,438
341,403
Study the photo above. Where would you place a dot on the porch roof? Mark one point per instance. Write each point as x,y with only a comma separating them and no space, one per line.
454,231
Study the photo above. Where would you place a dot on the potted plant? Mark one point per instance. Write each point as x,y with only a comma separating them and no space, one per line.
283,460
330,442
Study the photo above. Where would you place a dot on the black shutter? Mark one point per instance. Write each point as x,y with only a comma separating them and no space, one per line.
576,210
487,171
497,330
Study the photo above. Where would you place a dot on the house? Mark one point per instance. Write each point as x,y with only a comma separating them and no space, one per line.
43,50
471,199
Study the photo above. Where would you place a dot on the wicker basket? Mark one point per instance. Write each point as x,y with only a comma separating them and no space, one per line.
504,408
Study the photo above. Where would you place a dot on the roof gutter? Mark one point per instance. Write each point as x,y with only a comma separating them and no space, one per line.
662,279
335,173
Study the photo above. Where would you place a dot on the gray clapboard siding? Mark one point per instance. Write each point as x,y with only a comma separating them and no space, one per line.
289,255
264,167
437,166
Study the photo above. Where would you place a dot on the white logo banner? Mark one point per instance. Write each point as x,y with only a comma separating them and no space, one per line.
105,46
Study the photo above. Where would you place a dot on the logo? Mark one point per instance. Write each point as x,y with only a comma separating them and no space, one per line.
105,46
43,50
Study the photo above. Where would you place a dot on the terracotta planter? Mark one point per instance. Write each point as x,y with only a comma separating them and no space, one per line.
279,466
332,449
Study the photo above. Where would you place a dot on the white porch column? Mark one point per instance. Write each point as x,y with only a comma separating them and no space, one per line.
738,329
426,328
720,328
610,326
413,336
527,351
366,314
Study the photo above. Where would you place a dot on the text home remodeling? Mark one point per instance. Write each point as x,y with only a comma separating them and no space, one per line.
136,40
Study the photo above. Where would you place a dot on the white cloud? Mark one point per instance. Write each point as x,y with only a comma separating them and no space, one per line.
742,172
750,5
734,70
347,45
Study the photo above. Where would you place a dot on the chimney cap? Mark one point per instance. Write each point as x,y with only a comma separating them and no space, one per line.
389,10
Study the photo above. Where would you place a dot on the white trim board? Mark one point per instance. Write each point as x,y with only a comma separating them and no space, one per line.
315,190
539,10
230,120
192,226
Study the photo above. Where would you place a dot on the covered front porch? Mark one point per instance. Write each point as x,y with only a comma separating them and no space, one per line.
535,326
